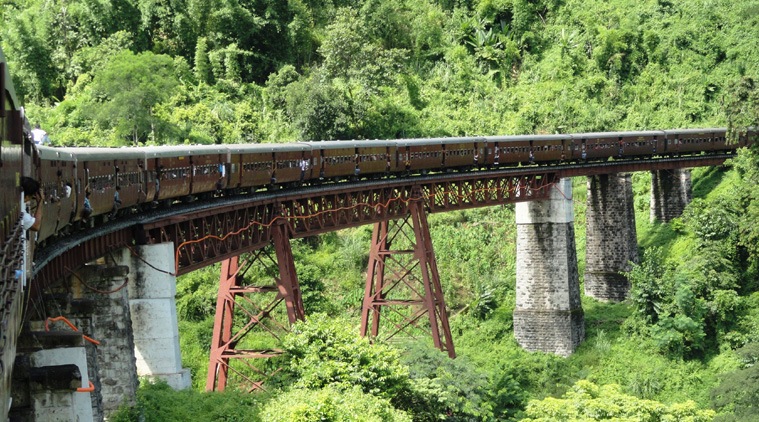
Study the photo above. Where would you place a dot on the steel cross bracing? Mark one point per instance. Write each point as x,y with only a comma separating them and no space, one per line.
243,309
402,277
418,277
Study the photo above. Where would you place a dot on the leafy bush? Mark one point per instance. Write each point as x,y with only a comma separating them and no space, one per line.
322,352
331,403
737,396
157,402
587,401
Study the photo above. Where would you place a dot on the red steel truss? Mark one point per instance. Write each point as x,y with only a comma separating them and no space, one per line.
405,277
212,235
238,314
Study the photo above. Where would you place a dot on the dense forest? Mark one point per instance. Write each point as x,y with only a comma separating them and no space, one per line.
684,346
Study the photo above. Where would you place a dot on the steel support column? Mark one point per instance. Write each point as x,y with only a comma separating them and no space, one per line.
235,299
405,277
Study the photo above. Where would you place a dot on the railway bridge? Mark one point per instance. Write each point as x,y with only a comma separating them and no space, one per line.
101,308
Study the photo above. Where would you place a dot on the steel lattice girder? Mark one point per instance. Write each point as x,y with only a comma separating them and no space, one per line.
209,236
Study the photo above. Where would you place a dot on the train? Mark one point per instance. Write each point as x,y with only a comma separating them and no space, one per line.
157,176
15,162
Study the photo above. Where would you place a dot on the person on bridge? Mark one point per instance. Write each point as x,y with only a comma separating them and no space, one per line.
31,189
303,168
87,206
116,201
39,135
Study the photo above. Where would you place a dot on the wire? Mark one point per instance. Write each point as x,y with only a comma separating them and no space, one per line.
105,292
135,253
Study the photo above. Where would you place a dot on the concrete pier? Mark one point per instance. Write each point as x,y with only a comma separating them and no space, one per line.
152,287
548,316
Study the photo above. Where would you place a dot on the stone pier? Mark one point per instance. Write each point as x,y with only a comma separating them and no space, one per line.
152,287
60,384
548,316
611,239
670,193
100,308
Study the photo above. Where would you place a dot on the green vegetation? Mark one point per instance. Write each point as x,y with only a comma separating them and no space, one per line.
134,72
587,401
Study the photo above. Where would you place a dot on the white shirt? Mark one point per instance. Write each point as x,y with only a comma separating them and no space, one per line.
40,136
27,220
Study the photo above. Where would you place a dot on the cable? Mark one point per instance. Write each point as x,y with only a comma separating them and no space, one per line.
135,253
105,292
62,318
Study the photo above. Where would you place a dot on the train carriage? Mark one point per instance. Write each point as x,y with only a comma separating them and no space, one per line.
96,173
130,176
643,143
56,172
511,150
15,148
335,159
209,168
342,159
251,165
549,148
288,160
376,157
463,152
420,154
690,140
173,171
596,145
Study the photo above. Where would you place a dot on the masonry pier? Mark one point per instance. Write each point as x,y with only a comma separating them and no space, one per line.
611,238
548,316
670,193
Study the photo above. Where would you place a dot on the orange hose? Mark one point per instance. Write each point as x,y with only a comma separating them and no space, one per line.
86,390
62,318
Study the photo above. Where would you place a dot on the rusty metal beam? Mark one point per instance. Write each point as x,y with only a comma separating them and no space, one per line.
625,166
238,314
212,235
405,277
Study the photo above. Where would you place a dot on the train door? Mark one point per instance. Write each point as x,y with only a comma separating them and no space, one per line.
402,158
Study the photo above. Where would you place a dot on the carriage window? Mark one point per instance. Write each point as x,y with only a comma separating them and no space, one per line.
100,183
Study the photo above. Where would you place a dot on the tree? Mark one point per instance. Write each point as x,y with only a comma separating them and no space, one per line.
737,396
124,95
202,65
322,352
